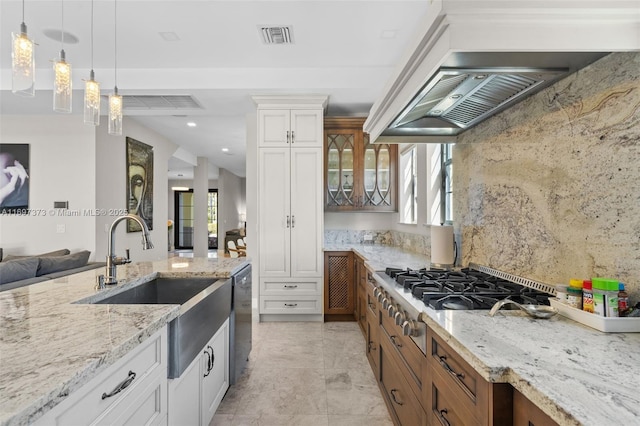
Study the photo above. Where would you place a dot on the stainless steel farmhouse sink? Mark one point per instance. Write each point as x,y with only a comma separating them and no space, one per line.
205,304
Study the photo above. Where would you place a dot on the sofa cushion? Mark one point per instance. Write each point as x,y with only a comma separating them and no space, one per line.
52,264
87,267
18,269
60,252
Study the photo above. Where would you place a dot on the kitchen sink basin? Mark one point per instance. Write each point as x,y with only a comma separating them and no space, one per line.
205,304
164,291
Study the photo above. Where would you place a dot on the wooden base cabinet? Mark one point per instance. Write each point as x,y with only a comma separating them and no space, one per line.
526,413
195,396
361,292
339,285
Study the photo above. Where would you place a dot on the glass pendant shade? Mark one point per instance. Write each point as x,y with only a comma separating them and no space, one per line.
92,101
23,64
115,113
62,87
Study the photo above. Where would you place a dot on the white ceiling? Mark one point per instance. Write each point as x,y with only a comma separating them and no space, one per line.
339,50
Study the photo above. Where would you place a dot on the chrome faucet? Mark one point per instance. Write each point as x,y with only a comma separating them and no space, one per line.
112,259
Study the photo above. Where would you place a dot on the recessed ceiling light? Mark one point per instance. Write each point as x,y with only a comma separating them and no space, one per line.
169,36
191,124
225,149
388,34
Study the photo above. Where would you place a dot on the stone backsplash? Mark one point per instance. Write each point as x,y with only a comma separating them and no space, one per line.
550,188
411,242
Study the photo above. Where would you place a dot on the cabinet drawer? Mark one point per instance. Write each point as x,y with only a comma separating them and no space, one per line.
400,398
445,408
468,387
407,351
148,406
291,305
279,287
87,406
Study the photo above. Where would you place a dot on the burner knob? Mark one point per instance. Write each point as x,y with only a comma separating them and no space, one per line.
376,292
391,310
380,296
385,303
408,328
400,318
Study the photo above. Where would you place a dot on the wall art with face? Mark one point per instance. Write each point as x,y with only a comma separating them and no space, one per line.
139,183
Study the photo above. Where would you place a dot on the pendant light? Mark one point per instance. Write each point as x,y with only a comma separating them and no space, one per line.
62,86
115,100
23,65
91,90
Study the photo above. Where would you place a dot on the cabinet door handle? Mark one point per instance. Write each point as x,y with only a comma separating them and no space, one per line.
291,305
393,340
211,357
288,221
442,418
121,386
293,136
293,221
291,286
288,136
393,396
372,347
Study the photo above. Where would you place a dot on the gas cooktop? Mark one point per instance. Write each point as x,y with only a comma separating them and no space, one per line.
463,289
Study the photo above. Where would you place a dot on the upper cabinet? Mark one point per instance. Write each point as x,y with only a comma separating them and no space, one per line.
289,127
358,175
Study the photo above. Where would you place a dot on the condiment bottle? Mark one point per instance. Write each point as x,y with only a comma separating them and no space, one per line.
623,300
605,297
574,297
587,296
561,293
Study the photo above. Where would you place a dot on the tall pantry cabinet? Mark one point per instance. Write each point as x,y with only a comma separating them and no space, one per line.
290,207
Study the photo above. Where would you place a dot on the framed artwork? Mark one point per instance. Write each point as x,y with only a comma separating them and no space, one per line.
139,183
14,178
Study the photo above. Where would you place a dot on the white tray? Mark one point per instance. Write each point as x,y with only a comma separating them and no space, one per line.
608,325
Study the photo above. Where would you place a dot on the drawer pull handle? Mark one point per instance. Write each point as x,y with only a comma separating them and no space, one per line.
122,386
393,396
291,286
442,418
291,305
393,340
372,347
443,362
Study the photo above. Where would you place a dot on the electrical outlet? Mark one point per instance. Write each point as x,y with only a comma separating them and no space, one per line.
61,229
368,238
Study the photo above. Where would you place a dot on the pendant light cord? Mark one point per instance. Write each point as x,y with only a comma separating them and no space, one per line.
115,42
91,35
23,11
62,24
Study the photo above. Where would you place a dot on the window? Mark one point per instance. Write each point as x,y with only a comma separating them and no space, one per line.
184,219
408,182
446,181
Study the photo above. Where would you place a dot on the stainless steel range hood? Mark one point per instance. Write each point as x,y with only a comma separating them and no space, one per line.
472,87
471,60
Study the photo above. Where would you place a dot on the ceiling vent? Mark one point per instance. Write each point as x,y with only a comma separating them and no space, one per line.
276,35
159,102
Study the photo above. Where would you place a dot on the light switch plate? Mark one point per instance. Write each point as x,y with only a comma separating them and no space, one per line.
61,229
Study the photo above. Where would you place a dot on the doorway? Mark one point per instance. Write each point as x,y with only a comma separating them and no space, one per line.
184,211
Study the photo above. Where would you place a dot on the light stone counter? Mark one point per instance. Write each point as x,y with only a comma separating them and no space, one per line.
50,347
577,375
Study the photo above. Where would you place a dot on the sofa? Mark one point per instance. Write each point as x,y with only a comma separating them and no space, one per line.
19,271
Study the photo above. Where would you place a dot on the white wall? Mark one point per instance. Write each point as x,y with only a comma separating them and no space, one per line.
110,166
62,152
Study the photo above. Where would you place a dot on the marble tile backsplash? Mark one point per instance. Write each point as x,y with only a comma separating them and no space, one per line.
548,189
411,242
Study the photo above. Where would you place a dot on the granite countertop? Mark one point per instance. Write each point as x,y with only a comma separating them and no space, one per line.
575,374
50,347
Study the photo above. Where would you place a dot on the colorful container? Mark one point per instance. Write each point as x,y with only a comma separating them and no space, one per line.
605,297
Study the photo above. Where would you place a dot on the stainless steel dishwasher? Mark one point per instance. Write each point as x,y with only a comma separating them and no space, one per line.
240,323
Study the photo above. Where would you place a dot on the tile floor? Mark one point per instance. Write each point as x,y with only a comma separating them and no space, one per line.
305,374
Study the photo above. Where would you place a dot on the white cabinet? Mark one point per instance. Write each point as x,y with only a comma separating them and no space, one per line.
196,394
285,127
133,391
290,205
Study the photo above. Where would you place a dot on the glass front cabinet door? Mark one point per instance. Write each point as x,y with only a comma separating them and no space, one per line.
359,176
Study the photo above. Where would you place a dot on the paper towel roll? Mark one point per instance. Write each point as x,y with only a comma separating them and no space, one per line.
442,246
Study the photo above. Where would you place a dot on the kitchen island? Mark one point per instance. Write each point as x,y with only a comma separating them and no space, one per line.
51,346
575,374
